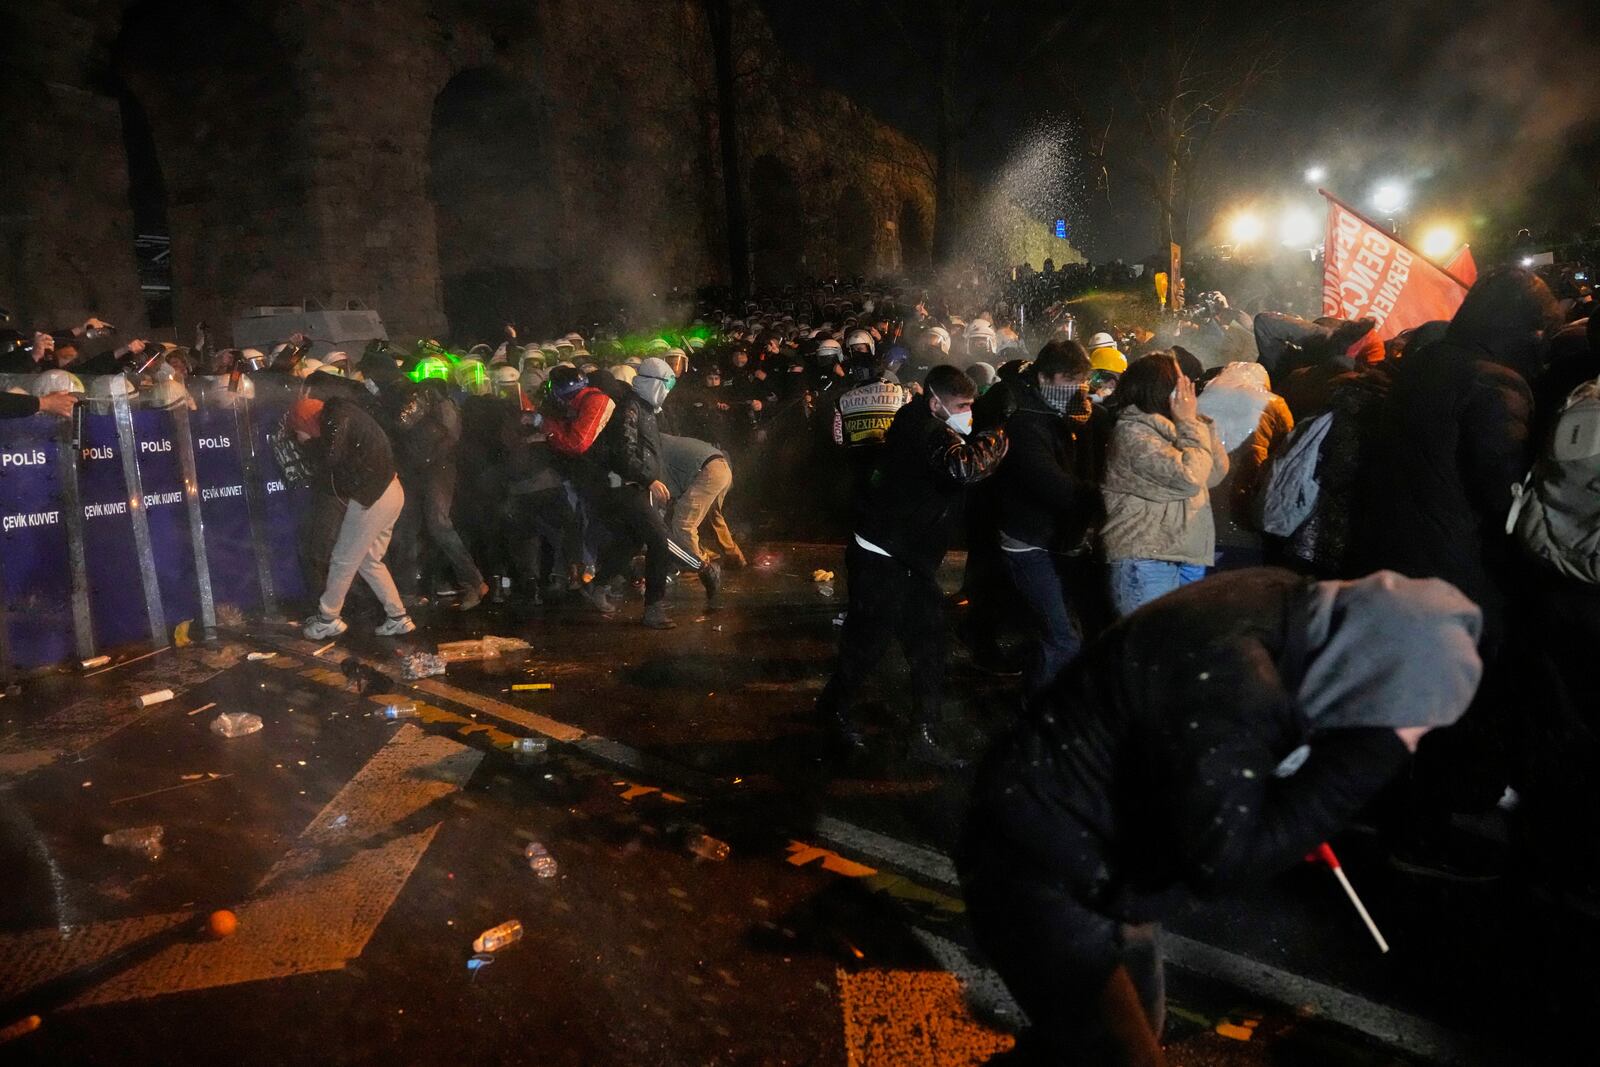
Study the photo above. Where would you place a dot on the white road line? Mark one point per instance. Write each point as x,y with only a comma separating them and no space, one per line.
1409,1033
313,911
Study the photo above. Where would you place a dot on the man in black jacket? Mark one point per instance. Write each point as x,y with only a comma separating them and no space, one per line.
354,456
1454,436
1048,502
1207,741
930,456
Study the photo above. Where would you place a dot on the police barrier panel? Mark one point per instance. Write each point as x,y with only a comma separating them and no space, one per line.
116,586
176,478
38,612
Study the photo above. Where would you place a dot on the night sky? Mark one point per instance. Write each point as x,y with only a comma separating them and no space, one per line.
1489,112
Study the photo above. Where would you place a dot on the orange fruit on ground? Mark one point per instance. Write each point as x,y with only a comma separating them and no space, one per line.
223,923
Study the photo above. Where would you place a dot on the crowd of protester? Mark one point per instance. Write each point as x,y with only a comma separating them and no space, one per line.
1178,733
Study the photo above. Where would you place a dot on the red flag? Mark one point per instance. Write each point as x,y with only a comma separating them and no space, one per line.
1463,266
1369,273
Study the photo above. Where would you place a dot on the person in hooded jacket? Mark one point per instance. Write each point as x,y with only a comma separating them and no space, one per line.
1164,459
1205,743
353,453
930,455
1047,497
1453,437
1250,418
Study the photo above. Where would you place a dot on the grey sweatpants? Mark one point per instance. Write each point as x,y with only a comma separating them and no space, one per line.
363,538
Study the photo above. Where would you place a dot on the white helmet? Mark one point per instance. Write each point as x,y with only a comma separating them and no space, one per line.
57,381
167,393
505,374
624,373
829,351
1102,340
980,336
110,385
939,337
860,337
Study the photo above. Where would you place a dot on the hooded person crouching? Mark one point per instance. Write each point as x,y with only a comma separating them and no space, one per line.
1209,740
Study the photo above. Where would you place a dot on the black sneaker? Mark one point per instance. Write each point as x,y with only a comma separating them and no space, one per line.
711,578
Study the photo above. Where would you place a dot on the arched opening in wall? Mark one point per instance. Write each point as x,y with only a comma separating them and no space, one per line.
854,229
777,224
147,196
496,214
218,150
916,255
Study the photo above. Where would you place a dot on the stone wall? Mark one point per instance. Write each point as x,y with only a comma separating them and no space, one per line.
472,158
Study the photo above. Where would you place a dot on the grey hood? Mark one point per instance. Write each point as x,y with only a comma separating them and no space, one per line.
1386,650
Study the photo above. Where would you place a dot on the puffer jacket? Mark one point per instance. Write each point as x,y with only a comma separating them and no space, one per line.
1149,775
1249,420
1157,489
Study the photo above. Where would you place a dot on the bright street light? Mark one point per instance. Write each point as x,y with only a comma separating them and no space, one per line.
1246,228
1315,174
1439,241
1298,228
1389,197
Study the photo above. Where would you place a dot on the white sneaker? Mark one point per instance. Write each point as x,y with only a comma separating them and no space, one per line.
395,625
320,627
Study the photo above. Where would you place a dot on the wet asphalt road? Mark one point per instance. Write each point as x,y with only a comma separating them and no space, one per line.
362,858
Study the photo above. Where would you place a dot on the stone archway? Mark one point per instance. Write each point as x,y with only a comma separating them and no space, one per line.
854,230
210,100
496,218
777,225
147,198
916,256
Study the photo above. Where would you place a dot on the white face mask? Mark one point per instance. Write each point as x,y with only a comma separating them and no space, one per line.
961,424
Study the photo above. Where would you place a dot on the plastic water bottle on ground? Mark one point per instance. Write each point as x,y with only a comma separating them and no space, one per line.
236,723
396,712
707,847
825,588
530,746
540,861
141,839
498,937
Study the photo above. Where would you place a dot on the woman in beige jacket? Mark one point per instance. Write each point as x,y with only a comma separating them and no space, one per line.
1163,461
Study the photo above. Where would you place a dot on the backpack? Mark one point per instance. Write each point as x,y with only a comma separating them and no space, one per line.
1289,488
1555,512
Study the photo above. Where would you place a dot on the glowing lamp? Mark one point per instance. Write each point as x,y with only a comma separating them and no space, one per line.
1245,228
1389,197
1439,241
1298,229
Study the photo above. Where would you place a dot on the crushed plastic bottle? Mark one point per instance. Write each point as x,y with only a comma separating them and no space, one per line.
530,746
236,724
421,665
142,839
498,937
396,712
540,861
825,588
707,847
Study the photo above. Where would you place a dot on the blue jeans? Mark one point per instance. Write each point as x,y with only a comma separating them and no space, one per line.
1039,576
1136,582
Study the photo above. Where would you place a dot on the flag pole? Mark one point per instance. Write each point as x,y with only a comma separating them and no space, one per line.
1326,855
1393,237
